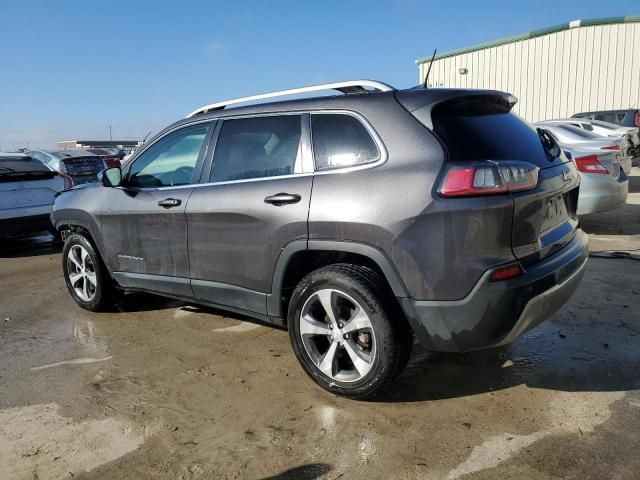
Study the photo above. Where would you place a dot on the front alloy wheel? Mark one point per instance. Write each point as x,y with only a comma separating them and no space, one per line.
86,276
81,273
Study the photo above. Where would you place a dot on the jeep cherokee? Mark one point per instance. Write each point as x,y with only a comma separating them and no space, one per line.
355,220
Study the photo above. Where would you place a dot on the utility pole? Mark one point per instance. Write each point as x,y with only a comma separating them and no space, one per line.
110,137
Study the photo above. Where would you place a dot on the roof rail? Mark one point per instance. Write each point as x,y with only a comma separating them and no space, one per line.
352,86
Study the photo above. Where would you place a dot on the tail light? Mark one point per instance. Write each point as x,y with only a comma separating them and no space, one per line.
611,147
636,119
488,178
68,181
506,273
590,164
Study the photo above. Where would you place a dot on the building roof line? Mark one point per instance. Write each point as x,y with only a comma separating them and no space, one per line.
533,34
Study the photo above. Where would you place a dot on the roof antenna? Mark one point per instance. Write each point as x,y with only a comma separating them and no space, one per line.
424,84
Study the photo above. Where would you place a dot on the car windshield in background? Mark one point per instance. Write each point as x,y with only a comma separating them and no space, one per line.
607,125
578,132
64,154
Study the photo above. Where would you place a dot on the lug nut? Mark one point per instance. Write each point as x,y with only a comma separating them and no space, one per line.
346,336
340,325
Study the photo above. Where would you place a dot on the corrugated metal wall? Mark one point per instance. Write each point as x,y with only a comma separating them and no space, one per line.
555,75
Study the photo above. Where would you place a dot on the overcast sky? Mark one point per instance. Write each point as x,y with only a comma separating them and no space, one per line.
69,69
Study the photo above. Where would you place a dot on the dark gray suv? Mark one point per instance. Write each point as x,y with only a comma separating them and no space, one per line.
356,221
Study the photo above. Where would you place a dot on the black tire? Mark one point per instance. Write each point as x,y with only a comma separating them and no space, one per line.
104,294
393,338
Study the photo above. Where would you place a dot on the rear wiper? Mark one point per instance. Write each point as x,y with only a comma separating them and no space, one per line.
6,169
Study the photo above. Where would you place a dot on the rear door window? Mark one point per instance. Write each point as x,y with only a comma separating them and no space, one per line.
341,140
257,147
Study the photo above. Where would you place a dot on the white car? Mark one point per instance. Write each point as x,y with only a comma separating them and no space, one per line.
631,135
27,190
578,138
603,183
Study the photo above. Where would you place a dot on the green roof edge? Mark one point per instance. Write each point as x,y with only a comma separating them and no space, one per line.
531,34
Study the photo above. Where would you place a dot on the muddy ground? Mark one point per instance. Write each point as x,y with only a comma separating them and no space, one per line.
163,389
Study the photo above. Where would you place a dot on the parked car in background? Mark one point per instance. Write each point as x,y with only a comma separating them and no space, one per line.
626,118
603,183
581,139
80,165
128,153
434,212
630,136
27,189
111,156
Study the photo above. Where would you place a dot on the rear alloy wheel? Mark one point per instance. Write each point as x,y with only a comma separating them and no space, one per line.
337,335
342,333
87,279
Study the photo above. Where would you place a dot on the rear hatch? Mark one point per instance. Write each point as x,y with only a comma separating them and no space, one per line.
83,169
27,183
481,129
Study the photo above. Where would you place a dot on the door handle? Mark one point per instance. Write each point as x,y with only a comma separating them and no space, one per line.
282,199
169,202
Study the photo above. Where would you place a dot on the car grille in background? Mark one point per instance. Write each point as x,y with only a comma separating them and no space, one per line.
83,169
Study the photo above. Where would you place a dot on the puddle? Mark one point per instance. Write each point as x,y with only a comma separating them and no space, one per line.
570,412
494,451
75,361
240,328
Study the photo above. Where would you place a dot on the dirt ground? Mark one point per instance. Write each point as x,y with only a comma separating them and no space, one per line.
161,389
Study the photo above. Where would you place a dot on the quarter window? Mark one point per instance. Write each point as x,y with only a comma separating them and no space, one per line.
171,160
341,140
257,147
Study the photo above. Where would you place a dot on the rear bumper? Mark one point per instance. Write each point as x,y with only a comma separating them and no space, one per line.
626,164
599,193
12,227
494,314
22,214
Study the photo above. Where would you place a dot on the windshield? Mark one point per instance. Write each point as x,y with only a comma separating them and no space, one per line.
578,132
16,168
570,134
607,125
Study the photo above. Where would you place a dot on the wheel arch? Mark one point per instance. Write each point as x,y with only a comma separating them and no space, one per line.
299,258
83,224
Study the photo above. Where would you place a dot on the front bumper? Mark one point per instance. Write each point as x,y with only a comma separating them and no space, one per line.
494,314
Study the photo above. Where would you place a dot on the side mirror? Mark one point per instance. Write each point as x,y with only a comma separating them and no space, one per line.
111,177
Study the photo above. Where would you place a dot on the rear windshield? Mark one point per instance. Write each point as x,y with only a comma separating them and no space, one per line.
477,134
14,169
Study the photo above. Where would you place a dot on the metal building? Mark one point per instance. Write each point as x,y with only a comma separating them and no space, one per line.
555,72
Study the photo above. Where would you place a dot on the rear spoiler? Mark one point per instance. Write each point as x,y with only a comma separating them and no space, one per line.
421,101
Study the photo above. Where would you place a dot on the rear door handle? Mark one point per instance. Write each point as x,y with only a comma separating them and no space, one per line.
282,199
169,202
